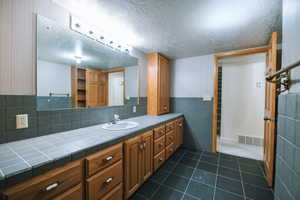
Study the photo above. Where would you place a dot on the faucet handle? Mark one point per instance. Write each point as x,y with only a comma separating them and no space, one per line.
116,117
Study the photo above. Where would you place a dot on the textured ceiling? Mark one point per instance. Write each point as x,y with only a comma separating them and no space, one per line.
60,45
183,28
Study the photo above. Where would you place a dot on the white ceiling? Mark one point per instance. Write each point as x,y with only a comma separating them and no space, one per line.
183,28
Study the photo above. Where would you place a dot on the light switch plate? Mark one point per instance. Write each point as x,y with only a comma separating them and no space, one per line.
21,121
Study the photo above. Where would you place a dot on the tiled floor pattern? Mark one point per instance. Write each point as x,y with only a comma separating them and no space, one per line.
189,175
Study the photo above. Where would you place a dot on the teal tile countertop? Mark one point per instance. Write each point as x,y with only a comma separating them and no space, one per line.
24,159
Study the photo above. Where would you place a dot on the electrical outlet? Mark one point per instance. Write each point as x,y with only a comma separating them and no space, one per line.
134,109
21,121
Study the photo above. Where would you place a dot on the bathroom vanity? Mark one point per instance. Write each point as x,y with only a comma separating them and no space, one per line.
113,167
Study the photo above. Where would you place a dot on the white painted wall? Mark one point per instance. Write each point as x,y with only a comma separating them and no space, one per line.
17,44
243,99
53,77
192,77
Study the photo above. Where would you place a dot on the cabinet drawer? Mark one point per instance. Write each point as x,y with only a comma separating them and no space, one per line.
48,185
104,181
103,159
159,145
75,193
170,126
159,159
170,137
159,131
170,150
115,194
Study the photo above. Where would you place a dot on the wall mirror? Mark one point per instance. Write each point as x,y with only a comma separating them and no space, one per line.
75,71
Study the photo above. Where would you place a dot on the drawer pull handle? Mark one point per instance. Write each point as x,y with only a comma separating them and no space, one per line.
141,147
161,159
109,180
109,158
165,107
180,124
51,187
144,145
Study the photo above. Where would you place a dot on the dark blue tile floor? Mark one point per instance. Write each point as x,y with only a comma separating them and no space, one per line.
190,175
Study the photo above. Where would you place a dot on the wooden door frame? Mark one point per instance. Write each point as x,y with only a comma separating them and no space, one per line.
218,65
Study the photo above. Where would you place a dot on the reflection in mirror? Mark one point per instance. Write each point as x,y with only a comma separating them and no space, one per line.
76,71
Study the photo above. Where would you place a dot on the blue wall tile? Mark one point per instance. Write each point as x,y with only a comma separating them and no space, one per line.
287,171
47,122
198,119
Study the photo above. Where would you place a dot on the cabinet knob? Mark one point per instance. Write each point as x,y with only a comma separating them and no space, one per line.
144,145
51,187
165,107
162,131
171,150
161,145
180,124
108,158
108,180
141,147
161,159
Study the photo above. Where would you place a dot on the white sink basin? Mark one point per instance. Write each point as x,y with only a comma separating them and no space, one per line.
120,125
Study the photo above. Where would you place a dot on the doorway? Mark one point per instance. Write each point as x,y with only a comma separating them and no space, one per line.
271,89
116,88
242,100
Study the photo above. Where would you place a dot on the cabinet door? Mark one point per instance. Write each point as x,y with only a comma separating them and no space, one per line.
132,165
92,87
147,156
96,89
103,89
179,132
164,85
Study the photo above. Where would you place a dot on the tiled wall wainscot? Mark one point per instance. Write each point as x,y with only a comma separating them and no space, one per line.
47,122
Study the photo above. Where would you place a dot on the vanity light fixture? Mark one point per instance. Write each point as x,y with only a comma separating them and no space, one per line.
90,31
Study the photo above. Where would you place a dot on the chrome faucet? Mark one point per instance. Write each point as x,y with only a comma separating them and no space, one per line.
115,119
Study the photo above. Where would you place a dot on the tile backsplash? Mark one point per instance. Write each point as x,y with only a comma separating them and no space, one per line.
48,122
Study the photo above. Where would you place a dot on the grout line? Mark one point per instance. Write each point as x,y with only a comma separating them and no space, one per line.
169,173
242,182
190,179
19,156
218,166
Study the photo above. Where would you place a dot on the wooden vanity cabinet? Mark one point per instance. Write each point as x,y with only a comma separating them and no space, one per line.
179,132
104,172
108,174
75,193
138,165
59,183
158,68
